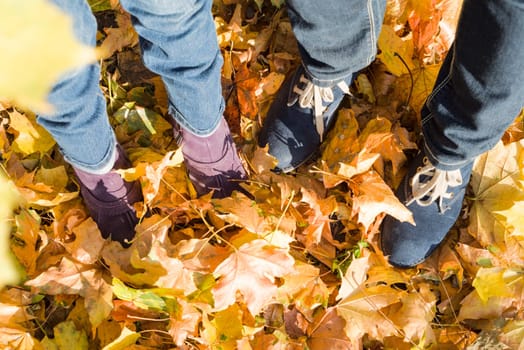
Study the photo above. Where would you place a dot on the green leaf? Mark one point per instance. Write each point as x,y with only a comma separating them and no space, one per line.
141,298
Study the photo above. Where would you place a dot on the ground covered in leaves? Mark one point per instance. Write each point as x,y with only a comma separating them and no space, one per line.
296,266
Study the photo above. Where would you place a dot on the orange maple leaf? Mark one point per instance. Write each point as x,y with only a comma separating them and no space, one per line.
251,270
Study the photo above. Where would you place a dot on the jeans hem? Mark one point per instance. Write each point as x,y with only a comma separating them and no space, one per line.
103,167
183,122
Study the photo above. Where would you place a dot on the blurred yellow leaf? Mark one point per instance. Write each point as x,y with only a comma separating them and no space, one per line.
10,197
30,26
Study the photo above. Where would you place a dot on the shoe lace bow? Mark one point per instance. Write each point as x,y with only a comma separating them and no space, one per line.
429,184
313,96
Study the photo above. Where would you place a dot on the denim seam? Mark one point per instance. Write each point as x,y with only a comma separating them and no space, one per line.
373,44
437,89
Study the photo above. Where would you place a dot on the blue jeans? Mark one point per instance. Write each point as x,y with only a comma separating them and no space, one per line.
178,42
478,93
480,87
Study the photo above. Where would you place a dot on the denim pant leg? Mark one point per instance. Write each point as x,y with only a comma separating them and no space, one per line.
336,37
79,121
480,87
179,43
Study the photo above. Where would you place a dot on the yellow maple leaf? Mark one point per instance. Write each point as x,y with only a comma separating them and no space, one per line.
251,270
30,26
498,186
489,282
395,52
29,136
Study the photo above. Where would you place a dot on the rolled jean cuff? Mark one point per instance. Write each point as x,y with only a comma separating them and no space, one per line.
190,125
102,167
445,164
329,80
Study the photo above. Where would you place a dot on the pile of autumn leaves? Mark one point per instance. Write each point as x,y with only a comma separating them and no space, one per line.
296,265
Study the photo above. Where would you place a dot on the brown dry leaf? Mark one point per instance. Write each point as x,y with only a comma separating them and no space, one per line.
198,255
88,242
304,288
251,270
73,278
378,137
318,216
372,196
364,313
513,334
327,332
151,167
26,237
147,261
19,339
515,131
118,38
184,323
12,315
259,218
475,309
247,84
415,316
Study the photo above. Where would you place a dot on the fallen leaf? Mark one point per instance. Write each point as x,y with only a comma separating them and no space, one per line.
498,187
373,197
253,264
29,136
125,339
327,332
77,279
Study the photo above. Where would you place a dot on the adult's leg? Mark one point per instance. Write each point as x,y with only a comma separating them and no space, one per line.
478,94
337,38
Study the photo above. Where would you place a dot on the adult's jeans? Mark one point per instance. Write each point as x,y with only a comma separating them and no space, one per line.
480,87
178,42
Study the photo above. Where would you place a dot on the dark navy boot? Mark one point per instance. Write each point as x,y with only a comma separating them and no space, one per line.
435,198
299,118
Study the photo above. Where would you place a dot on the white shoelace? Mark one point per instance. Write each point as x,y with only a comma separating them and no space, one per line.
313,96
425,193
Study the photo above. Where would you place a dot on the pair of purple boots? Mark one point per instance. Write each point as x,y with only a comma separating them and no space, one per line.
212,162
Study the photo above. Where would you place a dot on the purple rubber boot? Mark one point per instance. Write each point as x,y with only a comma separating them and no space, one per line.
110,199
212,161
